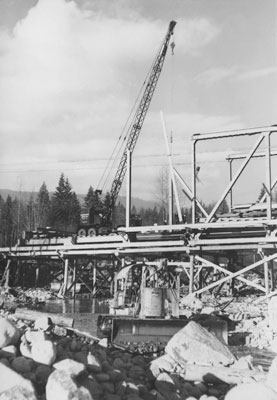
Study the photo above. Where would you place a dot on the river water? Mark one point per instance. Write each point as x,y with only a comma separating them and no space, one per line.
80,306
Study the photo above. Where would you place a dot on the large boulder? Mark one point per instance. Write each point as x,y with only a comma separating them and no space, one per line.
162,364
44,323
251,391
61,385
167,387
9,334
14,386
72,367
34,336
193,344
23,365
94,364
44,352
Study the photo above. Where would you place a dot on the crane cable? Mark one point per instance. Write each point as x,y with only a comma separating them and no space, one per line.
117,143
109,164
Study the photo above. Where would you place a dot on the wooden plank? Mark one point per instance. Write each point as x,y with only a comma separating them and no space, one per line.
32,315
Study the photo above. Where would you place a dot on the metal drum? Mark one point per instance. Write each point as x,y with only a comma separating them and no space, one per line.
152,302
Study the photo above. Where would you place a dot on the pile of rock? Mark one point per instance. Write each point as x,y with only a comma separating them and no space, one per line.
41,294
44,361
11,298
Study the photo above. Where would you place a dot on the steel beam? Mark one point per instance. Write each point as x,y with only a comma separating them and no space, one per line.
128,187
189,193
268,176
226,271
236,177
240,272
227,134
176,196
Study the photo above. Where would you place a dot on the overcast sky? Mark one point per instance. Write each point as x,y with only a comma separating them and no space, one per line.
70,72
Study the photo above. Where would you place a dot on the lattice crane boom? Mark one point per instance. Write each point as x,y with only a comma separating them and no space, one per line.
140,115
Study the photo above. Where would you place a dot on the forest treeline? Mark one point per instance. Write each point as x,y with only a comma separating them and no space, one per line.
62,211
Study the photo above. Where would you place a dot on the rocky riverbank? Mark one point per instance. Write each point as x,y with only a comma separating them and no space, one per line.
40,360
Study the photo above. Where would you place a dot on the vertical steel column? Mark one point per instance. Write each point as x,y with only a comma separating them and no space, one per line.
191,274
7,274
194,195
74,279
170,203
128,188
142,292
272,275
268,176
236,177
65,276
231,190
37,275
115,290
266,283
94,278
171,172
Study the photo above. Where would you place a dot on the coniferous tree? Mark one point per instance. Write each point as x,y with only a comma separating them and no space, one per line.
2,204
42,207
90,197
31,214
262,192
65,207
119,214
19,216
8,222
223,208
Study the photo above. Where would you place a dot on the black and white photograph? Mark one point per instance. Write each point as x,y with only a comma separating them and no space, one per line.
138,200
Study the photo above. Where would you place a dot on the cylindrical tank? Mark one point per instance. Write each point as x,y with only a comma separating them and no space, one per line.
152,302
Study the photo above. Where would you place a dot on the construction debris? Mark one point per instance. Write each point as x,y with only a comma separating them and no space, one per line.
77,366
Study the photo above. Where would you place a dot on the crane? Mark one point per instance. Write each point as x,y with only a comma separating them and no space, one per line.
100,220
139,118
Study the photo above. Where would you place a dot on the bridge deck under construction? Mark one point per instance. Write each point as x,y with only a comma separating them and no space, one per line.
209,251
186,245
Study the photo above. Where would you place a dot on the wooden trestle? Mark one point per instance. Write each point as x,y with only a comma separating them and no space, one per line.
197,248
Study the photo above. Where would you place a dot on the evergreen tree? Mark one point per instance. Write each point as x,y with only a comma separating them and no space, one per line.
223,208
262,192
107,212
89,199
119,213
31,214
74,210
65,207
42,207
8,222
2,204
19,216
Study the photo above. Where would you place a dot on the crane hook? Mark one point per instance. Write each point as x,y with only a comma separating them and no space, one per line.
172,45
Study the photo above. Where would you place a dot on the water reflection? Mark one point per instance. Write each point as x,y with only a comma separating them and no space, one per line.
59,306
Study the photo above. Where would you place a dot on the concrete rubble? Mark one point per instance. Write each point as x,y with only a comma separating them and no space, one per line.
42,360
250,322
38,364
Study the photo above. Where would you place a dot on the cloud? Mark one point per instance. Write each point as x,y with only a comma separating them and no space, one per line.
257,73
68,76
214,75
235,73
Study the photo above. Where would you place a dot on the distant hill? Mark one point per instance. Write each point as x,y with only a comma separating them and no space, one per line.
25,196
